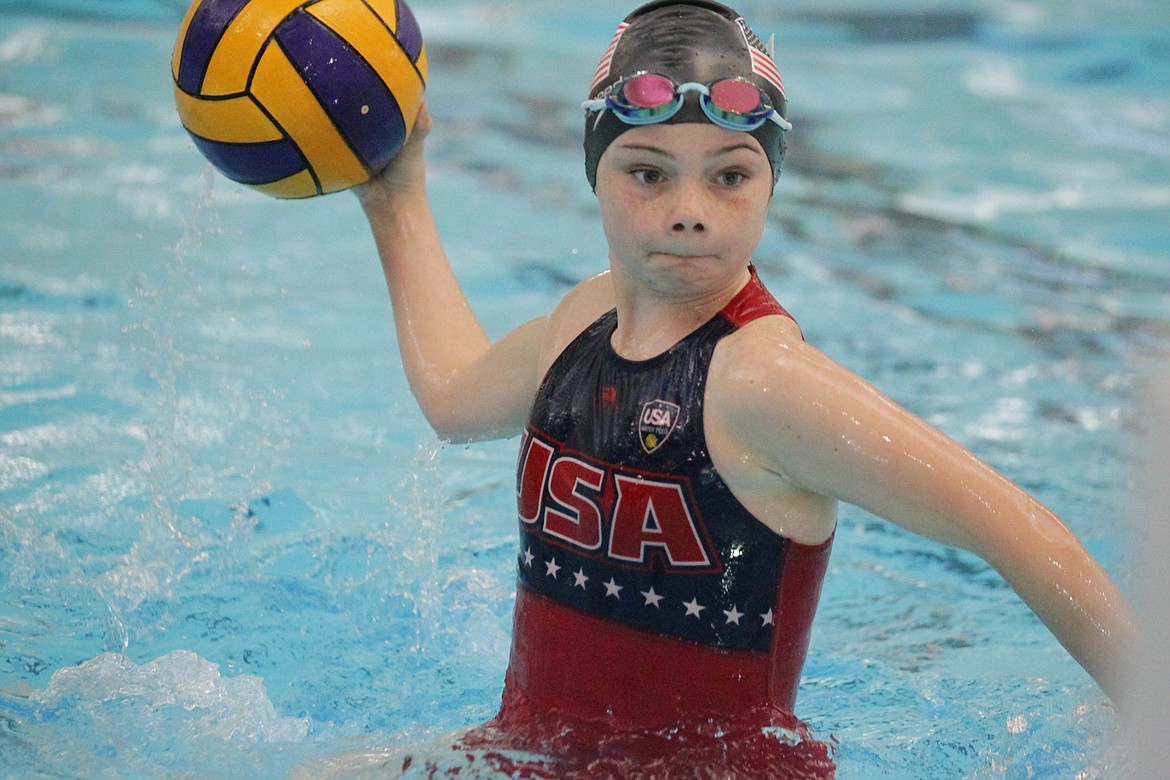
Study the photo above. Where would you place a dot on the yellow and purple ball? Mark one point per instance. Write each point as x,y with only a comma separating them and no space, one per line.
298,98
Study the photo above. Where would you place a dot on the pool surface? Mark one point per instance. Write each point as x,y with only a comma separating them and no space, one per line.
229,544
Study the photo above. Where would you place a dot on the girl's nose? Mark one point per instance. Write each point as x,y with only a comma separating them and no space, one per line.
688,212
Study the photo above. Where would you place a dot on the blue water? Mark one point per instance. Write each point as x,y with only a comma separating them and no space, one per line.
229,545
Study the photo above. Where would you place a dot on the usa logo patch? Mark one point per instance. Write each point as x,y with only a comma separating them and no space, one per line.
656,423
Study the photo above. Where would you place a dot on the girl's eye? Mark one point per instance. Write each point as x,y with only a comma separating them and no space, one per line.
647,176
731,178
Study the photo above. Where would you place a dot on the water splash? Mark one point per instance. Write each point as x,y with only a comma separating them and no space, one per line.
179,691
418,505
174,716
169,546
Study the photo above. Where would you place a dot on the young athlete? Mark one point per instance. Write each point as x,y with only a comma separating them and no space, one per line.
683,449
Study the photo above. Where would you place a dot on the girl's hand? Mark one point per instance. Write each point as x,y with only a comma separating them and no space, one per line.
405,173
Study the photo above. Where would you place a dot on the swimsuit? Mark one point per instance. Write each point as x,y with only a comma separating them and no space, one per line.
657,622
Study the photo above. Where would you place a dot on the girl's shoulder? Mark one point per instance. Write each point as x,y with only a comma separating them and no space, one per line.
579,309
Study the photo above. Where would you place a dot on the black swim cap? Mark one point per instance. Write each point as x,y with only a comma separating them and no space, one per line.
685,40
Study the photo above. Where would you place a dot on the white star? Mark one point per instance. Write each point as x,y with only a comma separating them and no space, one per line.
580,578
767,616
613,589
528,558
552,568
733,615
693,607
652,598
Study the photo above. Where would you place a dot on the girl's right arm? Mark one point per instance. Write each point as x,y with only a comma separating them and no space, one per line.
468,388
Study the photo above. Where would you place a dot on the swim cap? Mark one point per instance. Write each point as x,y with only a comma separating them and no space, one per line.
685,40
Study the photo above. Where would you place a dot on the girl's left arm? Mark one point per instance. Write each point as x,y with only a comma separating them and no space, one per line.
836,435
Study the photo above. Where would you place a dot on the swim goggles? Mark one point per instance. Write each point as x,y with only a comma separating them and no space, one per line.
649,98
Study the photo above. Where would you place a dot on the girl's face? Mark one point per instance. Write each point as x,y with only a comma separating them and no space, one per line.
683,206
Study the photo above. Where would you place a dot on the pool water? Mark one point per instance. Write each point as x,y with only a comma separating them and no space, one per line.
230,546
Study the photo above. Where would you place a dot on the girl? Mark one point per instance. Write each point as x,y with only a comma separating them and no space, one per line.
683,449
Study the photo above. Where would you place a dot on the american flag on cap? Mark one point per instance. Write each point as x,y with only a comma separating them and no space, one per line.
762,63
607,59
